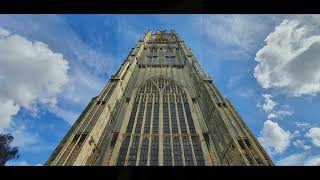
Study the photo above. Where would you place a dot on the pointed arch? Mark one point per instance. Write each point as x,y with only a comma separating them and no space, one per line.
163,95
162,82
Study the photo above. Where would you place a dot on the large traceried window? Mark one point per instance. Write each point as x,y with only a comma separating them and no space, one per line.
181,144
123,151
154,151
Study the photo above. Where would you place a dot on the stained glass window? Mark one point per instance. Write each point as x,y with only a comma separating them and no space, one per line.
144,152
148,118
198,150
155,126
189,118
140,118
123,151
182,122
176,115
167,160
173,118
132,116
177,151
166,125
187,151
133,151
154,151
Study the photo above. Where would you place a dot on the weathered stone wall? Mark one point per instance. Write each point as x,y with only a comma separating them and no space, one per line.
96,136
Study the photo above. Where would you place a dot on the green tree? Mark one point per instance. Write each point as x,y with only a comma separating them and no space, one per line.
6,152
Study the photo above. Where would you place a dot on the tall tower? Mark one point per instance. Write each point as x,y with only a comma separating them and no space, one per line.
160,109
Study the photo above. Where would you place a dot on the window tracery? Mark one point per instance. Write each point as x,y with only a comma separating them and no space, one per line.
154,96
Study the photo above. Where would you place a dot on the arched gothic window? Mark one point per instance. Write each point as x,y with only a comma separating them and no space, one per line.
181,145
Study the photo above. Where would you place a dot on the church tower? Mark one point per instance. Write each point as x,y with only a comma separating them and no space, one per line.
159,109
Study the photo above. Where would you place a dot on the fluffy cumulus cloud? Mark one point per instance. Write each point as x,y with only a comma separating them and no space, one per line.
30,74
268,104
289,61
314,135
7,109
274,138
91,66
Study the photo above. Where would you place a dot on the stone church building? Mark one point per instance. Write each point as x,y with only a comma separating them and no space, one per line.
159,109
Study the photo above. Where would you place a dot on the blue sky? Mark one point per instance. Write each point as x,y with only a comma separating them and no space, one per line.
267,65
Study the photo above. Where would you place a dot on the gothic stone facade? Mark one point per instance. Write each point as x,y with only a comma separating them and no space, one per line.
160,109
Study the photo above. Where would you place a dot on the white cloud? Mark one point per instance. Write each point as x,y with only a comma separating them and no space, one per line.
300,143
274,138
289,61
31,74
234,81
7,110
240,33
314,135
4,32
268,104
26,139
313,161
302,124
67,115
22,137
280,114
300,159
126,29
245,93
90,68
292,160
269,107
21,163
296,133
17,163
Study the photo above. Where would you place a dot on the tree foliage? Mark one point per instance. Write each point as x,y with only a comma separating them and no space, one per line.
6,152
